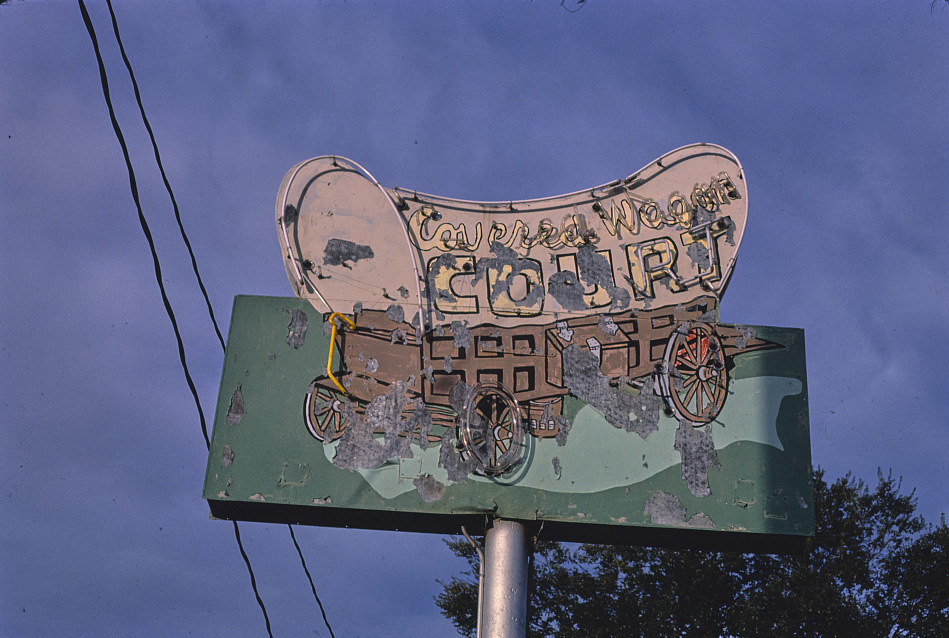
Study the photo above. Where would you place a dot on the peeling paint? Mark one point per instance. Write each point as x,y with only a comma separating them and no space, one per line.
227,456
563,429
607,325
592,380
429,373
458,396
420,418
569,288
429,490
730,231
709,316
509,266
565,287
697,450
452,461
702,215
595,270
296,334
637,413
338,251
416,323
745,334
236,411
395,313
462,334
357,447
360,449
701,259
435,269
450,457
564,332
666,509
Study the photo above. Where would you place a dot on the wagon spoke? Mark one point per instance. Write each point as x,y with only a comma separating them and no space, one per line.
706,352
703,392
687,366
687,353
700,387
689,380
687,399
696,346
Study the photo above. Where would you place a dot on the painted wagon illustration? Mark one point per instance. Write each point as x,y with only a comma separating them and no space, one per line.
516,376
482,318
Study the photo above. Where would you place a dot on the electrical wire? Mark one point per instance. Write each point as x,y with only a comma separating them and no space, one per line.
164,177
312,586
194,266
133,186
197,274
250,570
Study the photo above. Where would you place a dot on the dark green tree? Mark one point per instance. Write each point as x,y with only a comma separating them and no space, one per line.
920,593
873,568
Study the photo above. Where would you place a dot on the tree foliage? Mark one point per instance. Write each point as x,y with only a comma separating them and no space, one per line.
873,568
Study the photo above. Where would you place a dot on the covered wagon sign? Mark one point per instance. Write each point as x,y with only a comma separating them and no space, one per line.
555,360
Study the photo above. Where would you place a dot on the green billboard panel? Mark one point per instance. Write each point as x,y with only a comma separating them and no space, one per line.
655,425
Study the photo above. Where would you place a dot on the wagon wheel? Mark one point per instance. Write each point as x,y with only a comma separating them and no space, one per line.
322,411
694,380
490,429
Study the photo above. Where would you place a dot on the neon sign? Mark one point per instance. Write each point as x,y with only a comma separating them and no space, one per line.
478,355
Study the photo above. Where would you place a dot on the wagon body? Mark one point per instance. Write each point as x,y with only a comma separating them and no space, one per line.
632,348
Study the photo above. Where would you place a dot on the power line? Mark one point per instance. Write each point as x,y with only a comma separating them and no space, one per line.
250,570
133,185
164,177
312,586
158,276
197,274
194,266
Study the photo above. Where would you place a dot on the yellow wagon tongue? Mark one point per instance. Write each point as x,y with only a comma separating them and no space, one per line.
665,235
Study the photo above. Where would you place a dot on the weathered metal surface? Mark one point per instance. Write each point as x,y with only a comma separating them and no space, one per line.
555,360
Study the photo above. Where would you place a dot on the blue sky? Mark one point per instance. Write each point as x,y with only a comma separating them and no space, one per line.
836,110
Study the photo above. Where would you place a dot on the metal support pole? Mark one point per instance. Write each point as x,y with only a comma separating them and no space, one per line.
506,552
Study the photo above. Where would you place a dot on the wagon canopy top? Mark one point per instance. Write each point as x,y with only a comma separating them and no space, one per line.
667,234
